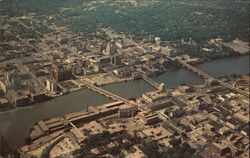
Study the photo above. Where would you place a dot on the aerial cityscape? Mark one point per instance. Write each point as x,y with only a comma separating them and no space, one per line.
124,78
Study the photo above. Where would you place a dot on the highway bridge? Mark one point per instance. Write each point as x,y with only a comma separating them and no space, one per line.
101,91
150,81
208,77
195,70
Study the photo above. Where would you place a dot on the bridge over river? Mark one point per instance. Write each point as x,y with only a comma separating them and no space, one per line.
101,91
208,77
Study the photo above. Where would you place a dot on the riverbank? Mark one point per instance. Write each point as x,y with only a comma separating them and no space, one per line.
107,79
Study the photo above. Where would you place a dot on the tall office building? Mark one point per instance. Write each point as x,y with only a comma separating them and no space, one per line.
101,48
111,48
157,41
62,73
2,88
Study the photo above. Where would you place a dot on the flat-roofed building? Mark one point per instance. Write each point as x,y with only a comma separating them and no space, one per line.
220,149
154,96
45,127
157,133
185,89
115,128
161,105
149,118
128,110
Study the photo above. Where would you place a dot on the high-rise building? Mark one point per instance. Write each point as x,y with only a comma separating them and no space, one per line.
111,48
157,41
2,88
62,73
51,85
16,81
101,48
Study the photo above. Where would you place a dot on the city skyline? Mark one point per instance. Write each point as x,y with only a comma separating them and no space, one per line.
132,78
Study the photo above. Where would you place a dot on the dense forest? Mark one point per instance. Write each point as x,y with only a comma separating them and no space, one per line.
168,19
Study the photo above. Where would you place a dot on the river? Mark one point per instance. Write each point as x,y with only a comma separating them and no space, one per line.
15,124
